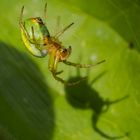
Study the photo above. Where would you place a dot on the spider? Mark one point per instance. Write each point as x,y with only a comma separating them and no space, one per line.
39,42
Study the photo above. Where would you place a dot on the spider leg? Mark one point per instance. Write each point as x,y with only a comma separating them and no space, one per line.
57,23
59,72
53,62
33,35
45,11
22,25
82,65
65,82
23,30
61,32
34,39
21,16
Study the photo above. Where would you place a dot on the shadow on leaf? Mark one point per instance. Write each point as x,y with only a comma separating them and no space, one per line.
26,107
84,97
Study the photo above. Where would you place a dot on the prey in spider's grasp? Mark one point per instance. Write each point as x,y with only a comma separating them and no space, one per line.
39,43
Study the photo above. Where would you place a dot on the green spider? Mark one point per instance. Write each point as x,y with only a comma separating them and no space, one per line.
39,43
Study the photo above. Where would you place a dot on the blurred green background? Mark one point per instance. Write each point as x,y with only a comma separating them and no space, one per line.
33,106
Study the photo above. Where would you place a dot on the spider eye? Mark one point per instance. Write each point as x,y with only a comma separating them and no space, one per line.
39,20
64,50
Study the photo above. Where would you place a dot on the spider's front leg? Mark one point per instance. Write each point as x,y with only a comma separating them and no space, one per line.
23,29
53,62
54,73
82,65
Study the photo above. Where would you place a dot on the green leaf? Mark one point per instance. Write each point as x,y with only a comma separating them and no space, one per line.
34,106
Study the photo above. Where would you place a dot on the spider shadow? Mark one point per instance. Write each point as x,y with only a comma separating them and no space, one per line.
82,96
27,106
